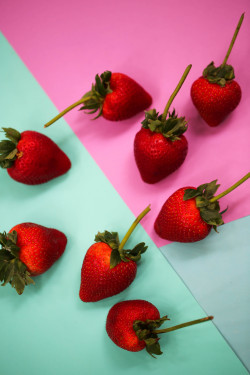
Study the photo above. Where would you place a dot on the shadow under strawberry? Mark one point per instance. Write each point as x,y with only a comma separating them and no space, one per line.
95,131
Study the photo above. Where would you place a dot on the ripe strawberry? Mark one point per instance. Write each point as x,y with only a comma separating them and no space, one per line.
160,146
189,214
216,94
28,250
132,325
214,101
107,268
31,157
180,220
115,95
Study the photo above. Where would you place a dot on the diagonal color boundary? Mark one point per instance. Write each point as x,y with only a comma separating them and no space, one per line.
48,328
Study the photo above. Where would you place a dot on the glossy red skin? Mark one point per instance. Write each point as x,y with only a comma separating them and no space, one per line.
120,319
180,220
41,160
40,247
127,99
214,102
157,156
98,280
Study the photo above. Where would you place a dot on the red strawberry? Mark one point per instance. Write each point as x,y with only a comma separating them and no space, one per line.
189,214
160,146
115,95
132,325
180,220
28,250
213,101
158,155
31,157
216,94
107,268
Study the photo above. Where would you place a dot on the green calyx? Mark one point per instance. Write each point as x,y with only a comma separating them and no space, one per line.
147,331
144,330
220,75
118,254
172,127
209,211
12,270
8,147
95,97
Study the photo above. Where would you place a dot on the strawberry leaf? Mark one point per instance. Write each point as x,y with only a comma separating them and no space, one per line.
115,258
144,330
211,189
12,269
135,253
12,237
209,211
118,255
153,347
8,150
18,283
220,75
222,212
171,128
190,193
95,97
140,248
110,238
12,134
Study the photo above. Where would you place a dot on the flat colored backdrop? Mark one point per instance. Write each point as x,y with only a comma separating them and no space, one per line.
65,43
49,330
217,272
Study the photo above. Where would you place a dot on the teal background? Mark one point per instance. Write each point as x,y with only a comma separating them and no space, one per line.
217,272
49,330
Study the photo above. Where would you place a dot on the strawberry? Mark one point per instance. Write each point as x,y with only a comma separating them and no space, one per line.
216,93
31,157
28,250
160,146
107,268
133,325
189,214
180,220
115,95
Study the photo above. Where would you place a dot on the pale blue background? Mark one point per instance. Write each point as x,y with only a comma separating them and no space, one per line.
217,272
49,330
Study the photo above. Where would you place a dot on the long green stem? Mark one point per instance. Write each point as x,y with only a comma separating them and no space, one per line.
233,40
184,76
137,220
61,114
243,179
174,328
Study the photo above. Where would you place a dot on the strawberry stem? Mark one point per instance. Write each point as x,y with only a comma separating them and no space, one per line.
137,220
243,179
233,40
66,110
184,76
174,328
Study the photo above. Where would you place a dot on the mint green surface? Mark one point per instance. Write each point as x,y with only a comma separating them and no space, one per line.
49,330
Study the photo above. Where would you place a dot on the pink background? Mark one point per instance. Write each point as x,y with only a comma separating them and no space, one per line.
65,43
